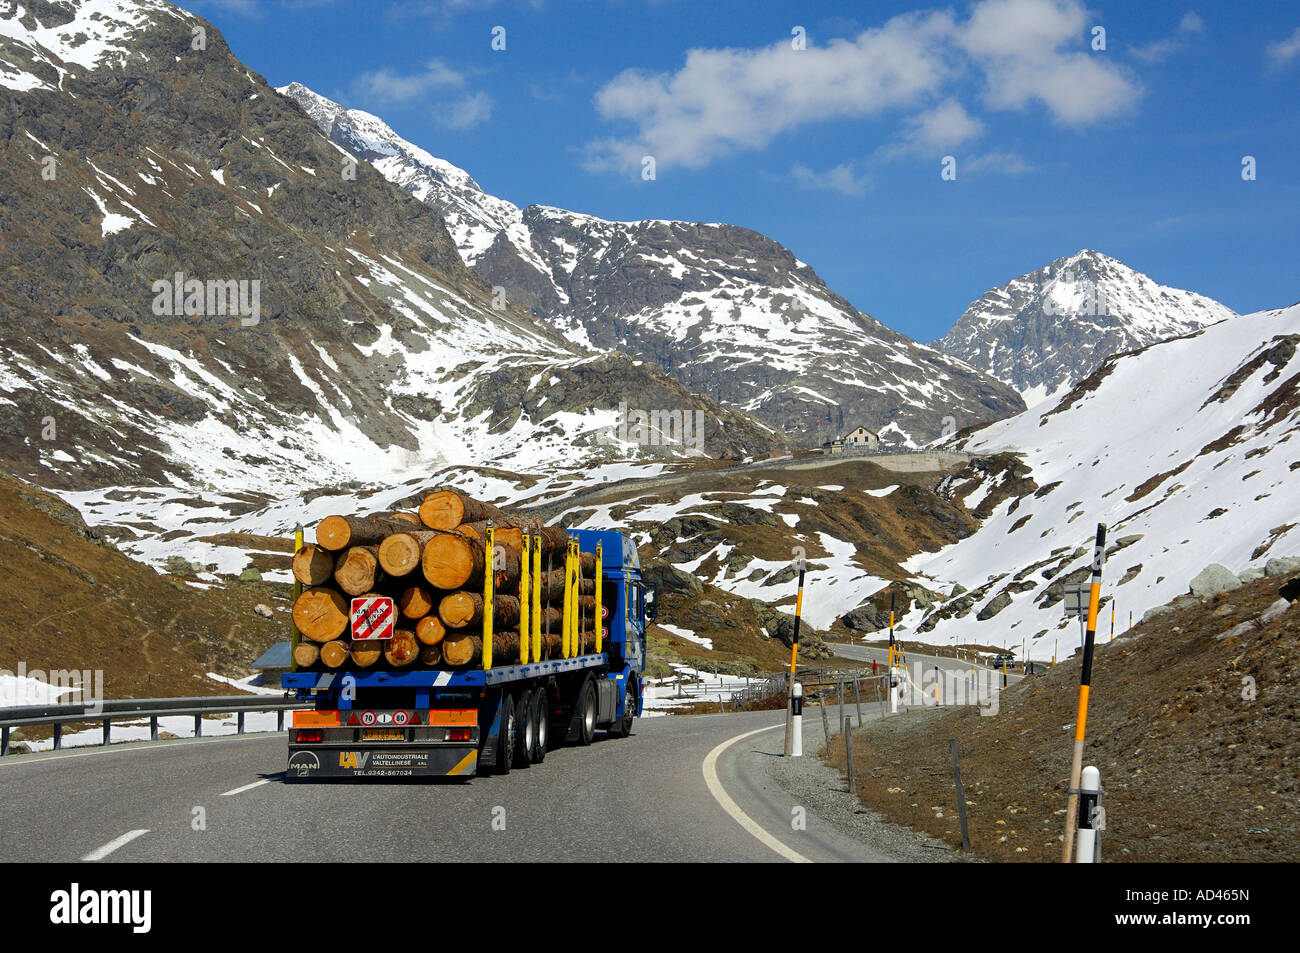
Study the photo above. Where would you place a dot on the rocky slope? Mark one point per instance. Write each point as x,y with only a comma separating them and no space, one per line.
727,311
1185,449
1045,331
136,147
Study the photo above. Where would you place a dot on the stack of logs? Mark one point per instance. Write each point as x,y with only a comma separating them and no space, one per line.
432,565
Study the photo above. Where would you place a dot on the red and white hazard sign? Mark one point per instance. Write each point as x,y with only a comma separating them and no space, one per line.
373,618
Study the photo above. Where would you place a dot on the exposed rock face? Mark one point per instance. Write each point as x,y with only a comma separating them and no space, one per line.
727,311
1045,331
335,332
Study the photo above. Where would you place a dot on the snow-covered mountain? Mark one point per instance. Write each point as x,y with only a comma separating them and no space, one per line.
1045,331
1186,449
198,294
727,311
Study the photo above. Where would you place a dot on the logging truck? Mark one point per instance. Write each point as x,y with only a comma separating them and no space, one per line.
467,645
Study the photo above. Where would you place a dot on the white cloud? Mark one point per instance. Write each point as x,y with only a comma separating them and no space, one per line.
723,101
840,179
1283,52
1018,45
474,109
390,87
1162,49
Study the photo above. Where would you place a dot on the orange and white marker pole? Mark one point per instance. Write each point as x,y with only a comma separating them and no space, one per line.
794,663
1085,685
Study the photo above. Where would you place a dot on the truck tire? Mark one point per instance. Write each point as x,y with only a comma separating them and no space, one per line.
542,717
506,730
623,727
525,730
586,712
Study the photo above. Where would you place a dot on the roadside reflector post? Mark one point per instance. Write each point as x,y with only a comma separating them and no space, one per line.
1085,685
961,795
796,735
894,689
1088,847
848,754
794,659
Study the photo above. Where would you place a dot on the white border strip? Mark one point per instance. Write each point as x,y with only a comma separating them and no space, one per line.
731,807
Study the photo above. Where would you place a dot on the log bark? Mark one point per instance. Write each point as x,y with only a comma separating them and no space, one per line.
399,554
367,653
402,649
430,630
337,533
461,649
552,585
334,654
357,569
412,518
306,654
416,602
431,655
553,538
459,610
321,614
313,565
447,509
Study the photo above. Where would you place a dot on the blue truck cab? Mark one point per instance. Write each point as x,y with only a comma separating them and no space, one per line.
504,715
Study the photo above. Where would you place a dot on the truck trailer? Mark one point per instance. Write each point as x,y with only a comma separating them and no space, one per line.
499,714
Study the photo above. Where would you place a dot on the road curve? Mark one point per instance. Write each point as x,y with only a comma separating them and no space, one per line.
224,799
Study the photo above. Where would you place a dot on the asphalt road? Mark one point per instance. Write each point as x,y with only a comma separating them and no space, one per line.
647,797
867,653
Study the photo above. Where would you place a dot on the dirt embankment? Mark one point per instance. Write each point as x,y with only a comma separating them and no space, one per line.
1197,740
73,601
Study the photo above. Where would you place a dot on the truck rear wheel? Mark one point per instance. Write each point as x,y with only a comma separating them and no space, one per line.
526,729
542,718
506,729
587,712
623,727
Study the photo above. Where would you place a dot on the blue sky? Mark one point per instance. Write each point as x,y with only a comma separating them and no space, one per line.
835,150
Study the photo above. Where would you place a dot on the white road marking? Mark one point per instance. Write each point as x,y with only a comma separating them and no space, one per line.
731,807
246,787
102,852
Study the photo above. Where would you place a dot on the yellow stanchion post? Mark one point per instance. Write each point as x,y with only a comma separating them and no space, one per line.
489,593
537,600
296,637
525,600
1085,685
600,621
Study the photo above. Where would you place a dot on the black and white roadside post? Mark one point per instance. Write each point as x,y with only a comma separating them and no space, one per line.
1085,685
1088,846
796,712
794,656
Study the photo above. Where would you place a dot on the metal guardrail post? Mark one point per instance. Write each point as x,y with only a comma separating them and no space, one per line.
107,731
198,726
279,720
4,741
239,723
58,736
153,727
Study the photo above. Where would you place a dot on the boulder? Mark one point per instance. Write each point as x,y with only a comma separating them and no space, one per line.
665,577
1250,575
250,575
263,610
1281,565
994,606
862,619
1155,611
1214,579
